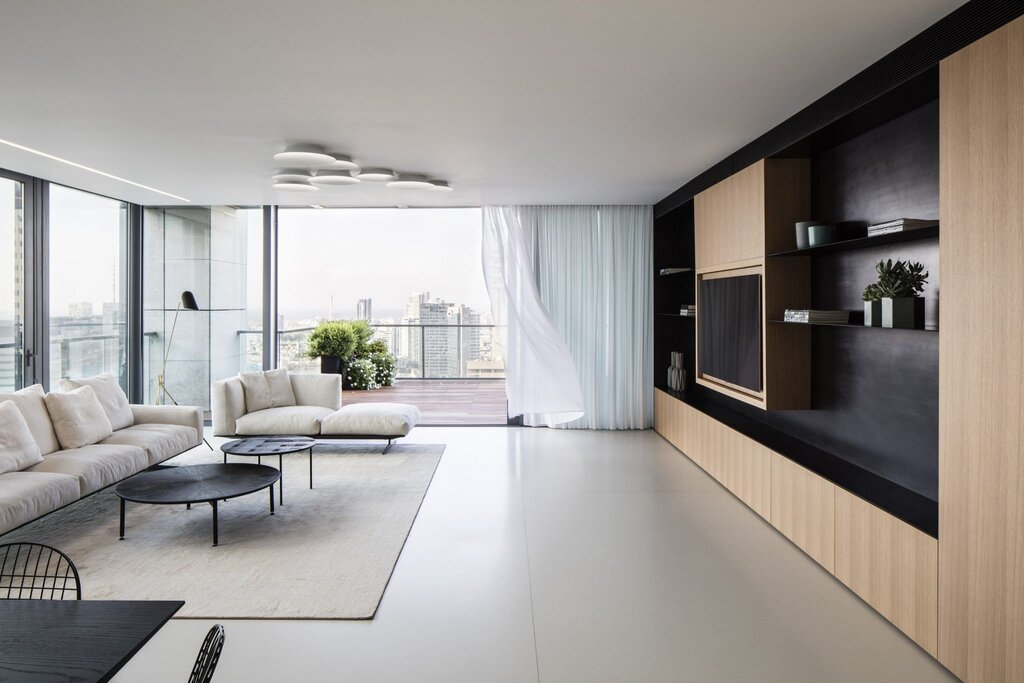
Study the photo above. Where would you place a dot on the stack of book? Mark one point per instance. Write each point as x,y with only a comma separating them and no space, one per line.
803,315
688,311
898,225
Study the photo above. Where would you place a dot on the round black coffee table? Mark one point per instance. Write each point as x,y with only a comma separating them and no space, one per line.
196,484
259,446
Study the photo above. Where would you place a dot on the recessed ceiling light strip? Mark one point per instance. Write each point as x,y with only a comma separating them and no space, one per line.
91,170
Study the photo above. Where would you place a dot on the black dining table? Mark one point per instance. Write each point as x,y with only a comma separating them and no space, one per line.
75,640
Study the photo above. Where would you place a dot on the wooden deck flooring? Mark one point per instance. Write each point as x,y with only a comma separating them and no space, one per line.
450,402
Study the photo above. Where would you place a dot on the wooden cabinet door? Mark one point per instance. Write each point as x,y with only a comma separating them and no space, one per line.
981,358
729,219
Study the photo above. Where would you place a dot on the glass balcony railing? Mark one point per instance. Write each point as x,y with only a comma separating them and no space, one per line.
423,351
88,349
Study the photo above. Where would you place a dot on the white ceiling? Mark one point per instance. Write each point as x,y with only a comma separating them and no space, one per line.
518,101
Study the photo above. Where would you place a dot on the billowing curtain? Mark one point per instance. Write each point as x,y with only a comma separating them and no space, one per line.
592,269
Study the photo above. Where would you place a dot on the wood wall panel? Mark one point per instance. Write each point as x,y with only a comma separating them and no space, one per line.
981,359
729,219
803,509
891,565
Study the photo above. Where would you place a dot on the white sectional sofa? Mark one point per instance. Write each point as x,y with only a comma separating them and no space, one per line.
279,403
58,448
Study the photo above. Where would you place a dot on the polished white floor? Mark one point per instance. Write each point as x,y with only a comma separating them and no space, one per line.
545,555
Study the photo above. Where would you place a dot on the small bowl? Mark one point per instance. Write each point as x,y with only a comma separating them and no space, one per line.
801,233
818,235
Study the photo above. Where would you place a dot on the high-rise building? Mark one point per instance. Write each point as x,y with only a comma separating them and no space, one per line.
364,309
80,309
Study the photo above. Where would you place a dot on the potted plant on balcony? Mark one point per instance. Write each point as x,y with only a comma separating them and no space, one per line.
333,342
900,284
872,306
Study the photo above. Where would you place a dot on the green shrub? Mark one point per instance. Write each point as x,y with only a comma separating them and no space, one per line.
362,374
332,338
385,364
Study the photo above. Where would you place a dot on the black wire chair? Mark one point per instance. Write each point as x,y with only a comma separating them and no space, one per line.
209,654
33,571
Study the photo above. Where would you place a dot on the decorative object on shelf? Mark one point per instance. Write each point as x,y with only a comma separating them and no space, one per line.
872,305
899,225
802,236
677,373
673,271
900,284
688,311
818,235
188,303
804,315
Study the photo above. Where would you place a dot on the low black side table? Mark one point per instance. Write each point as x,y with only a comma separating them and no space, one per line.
196,484
258,446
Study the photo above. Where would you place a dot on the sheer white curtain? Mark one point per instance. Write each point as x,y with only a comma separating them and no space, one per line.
542,384
592,266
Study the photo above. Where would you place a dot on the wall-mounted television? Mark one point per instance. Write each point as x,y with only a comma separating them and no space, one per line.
730,330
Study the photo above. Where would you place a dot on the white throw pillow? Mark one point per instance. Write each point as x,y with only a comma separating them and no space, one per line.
78,418
110,395
30,402
270,389
18,449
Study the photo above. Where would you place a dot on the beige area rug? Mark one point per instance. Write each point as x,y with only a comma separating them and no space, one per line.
328,553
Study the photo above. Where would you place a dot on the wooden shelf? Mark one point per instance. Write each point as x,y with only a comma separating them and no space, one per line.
866,327
865,242
673,271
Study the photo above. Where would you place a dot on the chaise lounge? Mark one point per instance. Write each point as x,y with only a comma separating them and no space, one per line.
276,402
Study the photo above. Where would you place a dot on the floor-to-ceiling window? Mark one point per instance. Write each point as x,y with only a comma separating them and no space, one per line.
87,264
12,283
216,253
414,274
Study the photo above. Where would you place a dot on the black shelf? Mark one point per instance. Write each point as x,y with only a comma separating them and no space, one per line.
865,242
675,315
865,327
676,271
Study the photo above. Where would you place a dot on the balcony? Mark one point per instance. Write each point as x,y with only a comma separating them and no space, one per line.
453,373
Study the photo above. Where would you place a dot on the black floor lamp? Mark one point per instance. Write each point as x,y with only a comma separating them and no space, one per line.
187,302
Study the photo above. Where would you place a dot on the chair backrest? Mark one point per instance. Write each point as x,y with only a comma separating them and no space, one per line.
208,656
32,571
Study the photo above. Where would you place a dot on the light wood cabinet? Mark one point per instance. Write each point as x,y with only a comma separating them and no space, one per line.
890,564
981,359
752,212
803,509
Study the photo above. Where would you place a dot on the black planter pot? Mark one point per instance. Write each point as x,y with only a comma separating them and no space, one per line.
872,313
906,313
330,365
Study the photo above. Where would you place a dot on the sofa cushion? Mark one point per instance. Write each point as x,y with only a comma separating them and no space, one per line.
78,418
371,419
160,441
33,408
27,495
95,466
268,389
18,449
291,420
110,395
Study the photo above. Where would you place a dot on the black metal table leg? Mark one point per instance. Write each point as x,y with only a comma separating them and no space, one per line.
213,503
271,489
122,520
280,482
310,467
225,457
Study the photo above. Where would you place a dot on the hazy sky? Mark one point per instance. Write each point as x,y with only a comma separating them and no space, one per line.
85,244
383,254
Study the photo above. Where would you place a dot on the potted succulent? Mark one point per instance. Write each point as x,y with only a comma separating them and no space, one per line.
900,284
333,342
872,306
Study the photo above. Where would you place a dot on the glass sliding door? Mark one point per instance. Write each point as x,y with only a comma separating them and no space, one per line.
12,284
88,237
